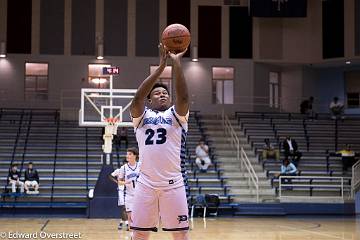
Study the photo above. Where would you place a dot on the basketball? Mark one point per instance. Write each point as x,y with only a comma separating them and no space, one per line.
176,38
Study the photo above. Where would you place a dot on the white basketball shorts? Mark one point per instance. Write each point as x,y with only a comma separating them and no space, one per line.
150,205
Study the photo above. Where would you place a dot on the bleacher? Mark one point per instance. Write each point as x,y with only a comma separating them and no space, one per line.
68,159
317,139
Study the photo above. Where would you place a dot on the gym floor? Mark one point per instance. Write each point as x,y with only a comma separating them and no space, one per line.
245,228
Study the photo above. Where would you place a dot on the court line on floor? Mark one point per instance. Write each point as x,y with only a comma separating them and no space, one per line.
44,226
312,232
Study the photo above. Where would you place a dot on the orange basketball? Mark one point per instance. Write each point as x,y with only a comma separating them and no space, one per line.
176,38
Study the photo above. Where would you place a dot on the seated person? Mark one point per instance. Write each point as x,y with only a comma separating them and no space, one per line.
291,150
306,107
202,156
269,152
287,169
347,157
336,109
31,180
14,179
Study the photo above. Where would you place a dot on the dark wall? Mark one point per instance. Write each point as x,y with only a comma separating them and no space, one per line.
52,27
333,28
115,27
83,27
357,27
179,12
147,27
240,45
209,32
19,26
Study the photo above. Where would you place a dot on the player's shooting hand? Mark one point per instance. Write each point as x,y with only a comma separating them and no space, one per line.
178,56
163,55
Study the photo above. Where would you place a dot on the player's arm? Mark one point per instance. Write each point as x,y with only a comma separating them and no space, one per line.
182,95
137,106
113,179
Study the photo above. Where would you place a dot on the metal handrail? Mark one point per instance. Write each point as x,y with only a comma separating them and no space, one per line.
310,185
355,181
241,154
252,174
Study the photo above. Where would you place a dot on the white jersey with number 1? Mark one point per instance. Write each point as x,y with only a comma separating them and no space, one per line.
129,174
161,138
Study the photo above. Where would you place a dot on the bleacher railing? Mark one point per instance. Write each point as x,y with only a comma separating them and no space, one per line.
355,182
337,183
241,156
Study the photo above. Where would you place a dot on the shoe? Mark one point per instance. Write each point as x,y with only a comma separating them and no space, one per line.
120,226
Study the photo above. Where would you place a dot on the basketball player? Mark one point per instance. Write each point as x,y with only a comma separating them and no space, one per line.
126,179
160,132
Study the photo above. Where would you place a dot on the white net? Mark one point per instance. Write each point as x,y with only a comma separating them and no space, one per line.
110,131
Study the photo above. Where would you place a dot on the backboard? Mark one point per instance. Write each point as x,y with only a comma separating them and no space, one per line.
98,104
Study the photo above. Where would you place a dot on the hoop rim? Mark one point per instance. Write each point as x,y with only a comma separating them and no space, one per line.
112,120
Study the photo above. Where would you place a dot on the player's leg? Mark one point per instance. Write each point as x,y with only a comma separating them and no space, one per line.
121,204
128,208
144,212
140,235
181,235
175,220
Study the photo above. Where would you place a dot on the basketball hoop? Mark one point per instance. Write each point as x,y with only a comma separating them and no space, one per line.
111,125
110,131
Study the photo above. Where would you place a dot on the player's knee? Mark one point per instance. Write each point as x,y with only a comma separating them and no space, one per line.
182,235
140,235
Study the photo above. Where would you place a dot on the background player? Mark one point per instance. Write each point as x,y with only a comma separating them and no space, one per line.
126,177
160,132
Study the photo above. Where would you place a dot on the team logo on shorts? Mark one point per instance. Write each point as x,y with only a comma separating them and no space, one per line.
182,218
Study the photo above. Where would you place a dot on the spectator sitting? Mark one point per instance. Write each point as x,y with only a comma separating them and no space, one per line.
291,150
336,109
347,157
287,169
269,152
14,179
307,108
31,180
202,156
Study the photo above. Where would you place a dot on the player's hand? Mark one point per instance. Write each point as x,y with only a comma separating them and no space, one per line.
178,56
163,55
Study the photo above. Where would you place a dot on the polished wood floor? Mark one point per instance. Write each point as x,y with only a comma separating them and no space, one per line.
255,228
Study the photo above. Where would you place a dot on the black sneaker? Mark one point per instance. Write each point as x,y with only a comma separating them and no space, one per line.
120,226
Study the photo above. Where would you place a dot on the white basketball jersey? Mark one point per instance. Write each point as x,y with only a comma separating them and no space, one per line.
130,175
161,139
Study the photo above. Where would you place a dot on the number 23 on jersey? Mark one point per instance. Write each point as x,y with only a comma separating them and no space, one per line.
157,136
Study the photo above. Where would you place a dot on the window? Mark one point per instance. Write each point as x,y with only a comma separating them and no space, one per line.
165,77
96,77
223,85
274,90
36,81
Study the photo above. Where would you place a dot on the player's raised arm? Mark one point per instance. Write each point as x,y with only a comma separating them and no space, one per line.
138,103
182,96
